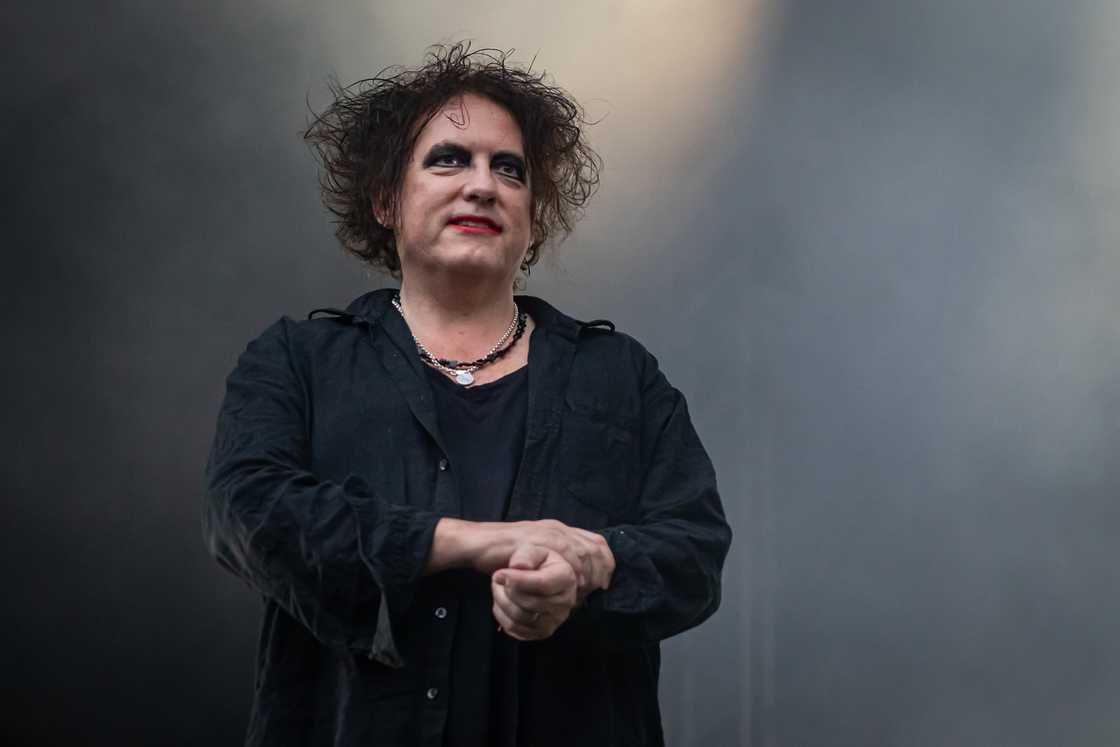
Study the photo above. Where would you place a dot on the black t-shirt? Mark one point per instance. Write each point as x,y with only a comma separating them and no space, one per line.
483,429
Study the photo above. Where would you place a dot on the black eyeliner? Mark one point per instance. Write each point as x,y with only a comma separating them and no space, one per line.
442,150
505,157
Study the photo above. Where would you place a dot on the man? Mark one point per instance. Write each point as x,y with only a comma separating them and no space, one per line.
471,518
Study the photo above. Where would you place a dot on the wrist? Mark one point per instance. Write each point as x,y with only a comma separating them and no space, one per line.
450,545
459,543
490,546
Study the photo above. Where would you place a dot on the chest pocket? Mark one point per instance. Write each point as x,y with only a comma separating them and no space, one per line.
599,464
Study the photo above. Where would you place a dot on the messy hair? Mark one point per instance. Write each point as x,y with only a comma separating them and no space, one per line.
364,140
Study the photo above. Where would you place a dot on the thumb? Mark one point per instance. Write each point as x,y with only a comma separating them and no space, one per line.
527,557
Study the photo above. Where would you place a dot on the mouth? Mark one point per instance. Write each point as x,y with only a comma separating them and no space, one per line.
474,224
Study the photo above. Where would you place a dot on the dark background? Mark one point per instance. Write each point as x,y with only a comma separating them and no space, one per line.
875,244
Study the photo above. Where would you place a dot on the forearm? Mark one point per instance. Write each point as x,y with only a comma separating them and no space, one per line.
484,546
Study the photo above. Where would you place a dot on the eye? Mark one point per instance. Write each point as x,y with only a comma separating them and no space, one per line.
510,168
447,157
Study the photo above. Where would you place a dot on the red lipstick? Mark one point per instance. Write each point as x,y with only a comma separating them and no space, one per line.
474,224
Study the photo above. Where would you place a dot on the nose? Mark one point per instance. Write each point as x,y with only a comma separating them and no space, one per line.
480,185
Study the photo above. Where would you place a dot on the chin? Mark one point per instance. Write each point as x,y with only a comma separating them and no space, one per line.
473,258
474,266
464,258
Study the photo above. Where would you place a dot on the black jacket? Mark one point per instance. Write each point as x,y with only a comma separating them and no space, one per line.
326,480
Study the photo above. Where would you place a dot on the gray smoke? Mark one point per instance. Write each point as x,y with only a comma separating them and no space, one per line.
875,244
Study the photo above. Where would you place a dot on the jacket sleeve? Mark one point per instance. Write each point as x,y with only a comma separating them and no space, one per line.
668,562
340,560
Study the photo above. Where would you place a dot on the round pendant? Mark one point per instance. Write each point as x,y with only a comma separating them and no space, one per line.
464,377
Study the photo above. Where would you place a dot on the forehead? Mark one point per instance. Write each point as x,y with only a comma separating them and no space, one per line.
474,121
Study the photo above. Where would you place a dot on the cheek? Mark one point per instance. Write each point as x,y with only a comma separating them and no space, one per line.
525,211
414,211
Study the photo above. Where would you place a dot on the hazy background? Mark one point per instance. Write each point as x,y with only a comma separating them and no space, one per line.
875,244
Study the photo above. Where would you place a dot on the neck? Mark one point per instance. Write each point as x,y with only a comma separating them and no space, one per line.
459,323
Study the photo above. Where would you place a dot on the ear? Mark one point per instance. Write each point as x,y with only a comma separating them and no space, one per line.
380,210
532,251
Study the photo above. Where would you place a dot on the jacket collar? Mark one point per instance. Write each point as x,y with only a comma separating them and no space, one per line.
374,307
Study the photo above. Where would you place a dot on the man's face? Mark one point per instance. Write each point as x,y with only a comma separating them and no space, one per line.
464,205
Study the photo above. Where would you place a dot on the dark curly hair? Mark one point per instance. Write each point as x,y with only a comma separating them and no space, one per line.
364,141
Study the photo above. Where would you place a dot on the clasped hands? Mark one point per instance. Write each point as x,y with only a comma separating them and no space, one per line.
539,570
550,571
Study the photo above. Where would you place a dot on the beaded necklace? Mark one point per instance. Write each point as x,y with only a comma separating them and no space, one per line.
463,371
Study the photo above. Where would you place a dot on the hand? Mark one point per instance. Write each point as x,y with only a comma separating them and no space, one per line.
586,552
535,594
488,547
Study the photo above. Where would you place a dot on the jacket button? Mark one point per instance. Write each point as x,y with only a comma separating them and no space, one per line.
441,612
432,693
442,465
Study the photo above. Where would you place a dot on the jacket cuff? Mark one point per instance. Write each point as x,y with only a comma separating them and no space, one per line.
633,572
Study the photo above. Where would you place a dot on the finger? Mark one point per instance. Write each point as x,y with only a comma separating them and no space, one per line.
508,626
546,613
545,581
595,557
554,569
528,557
513,611
538,626
602,557
557,537
541,603
576,556
510,622
540,584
